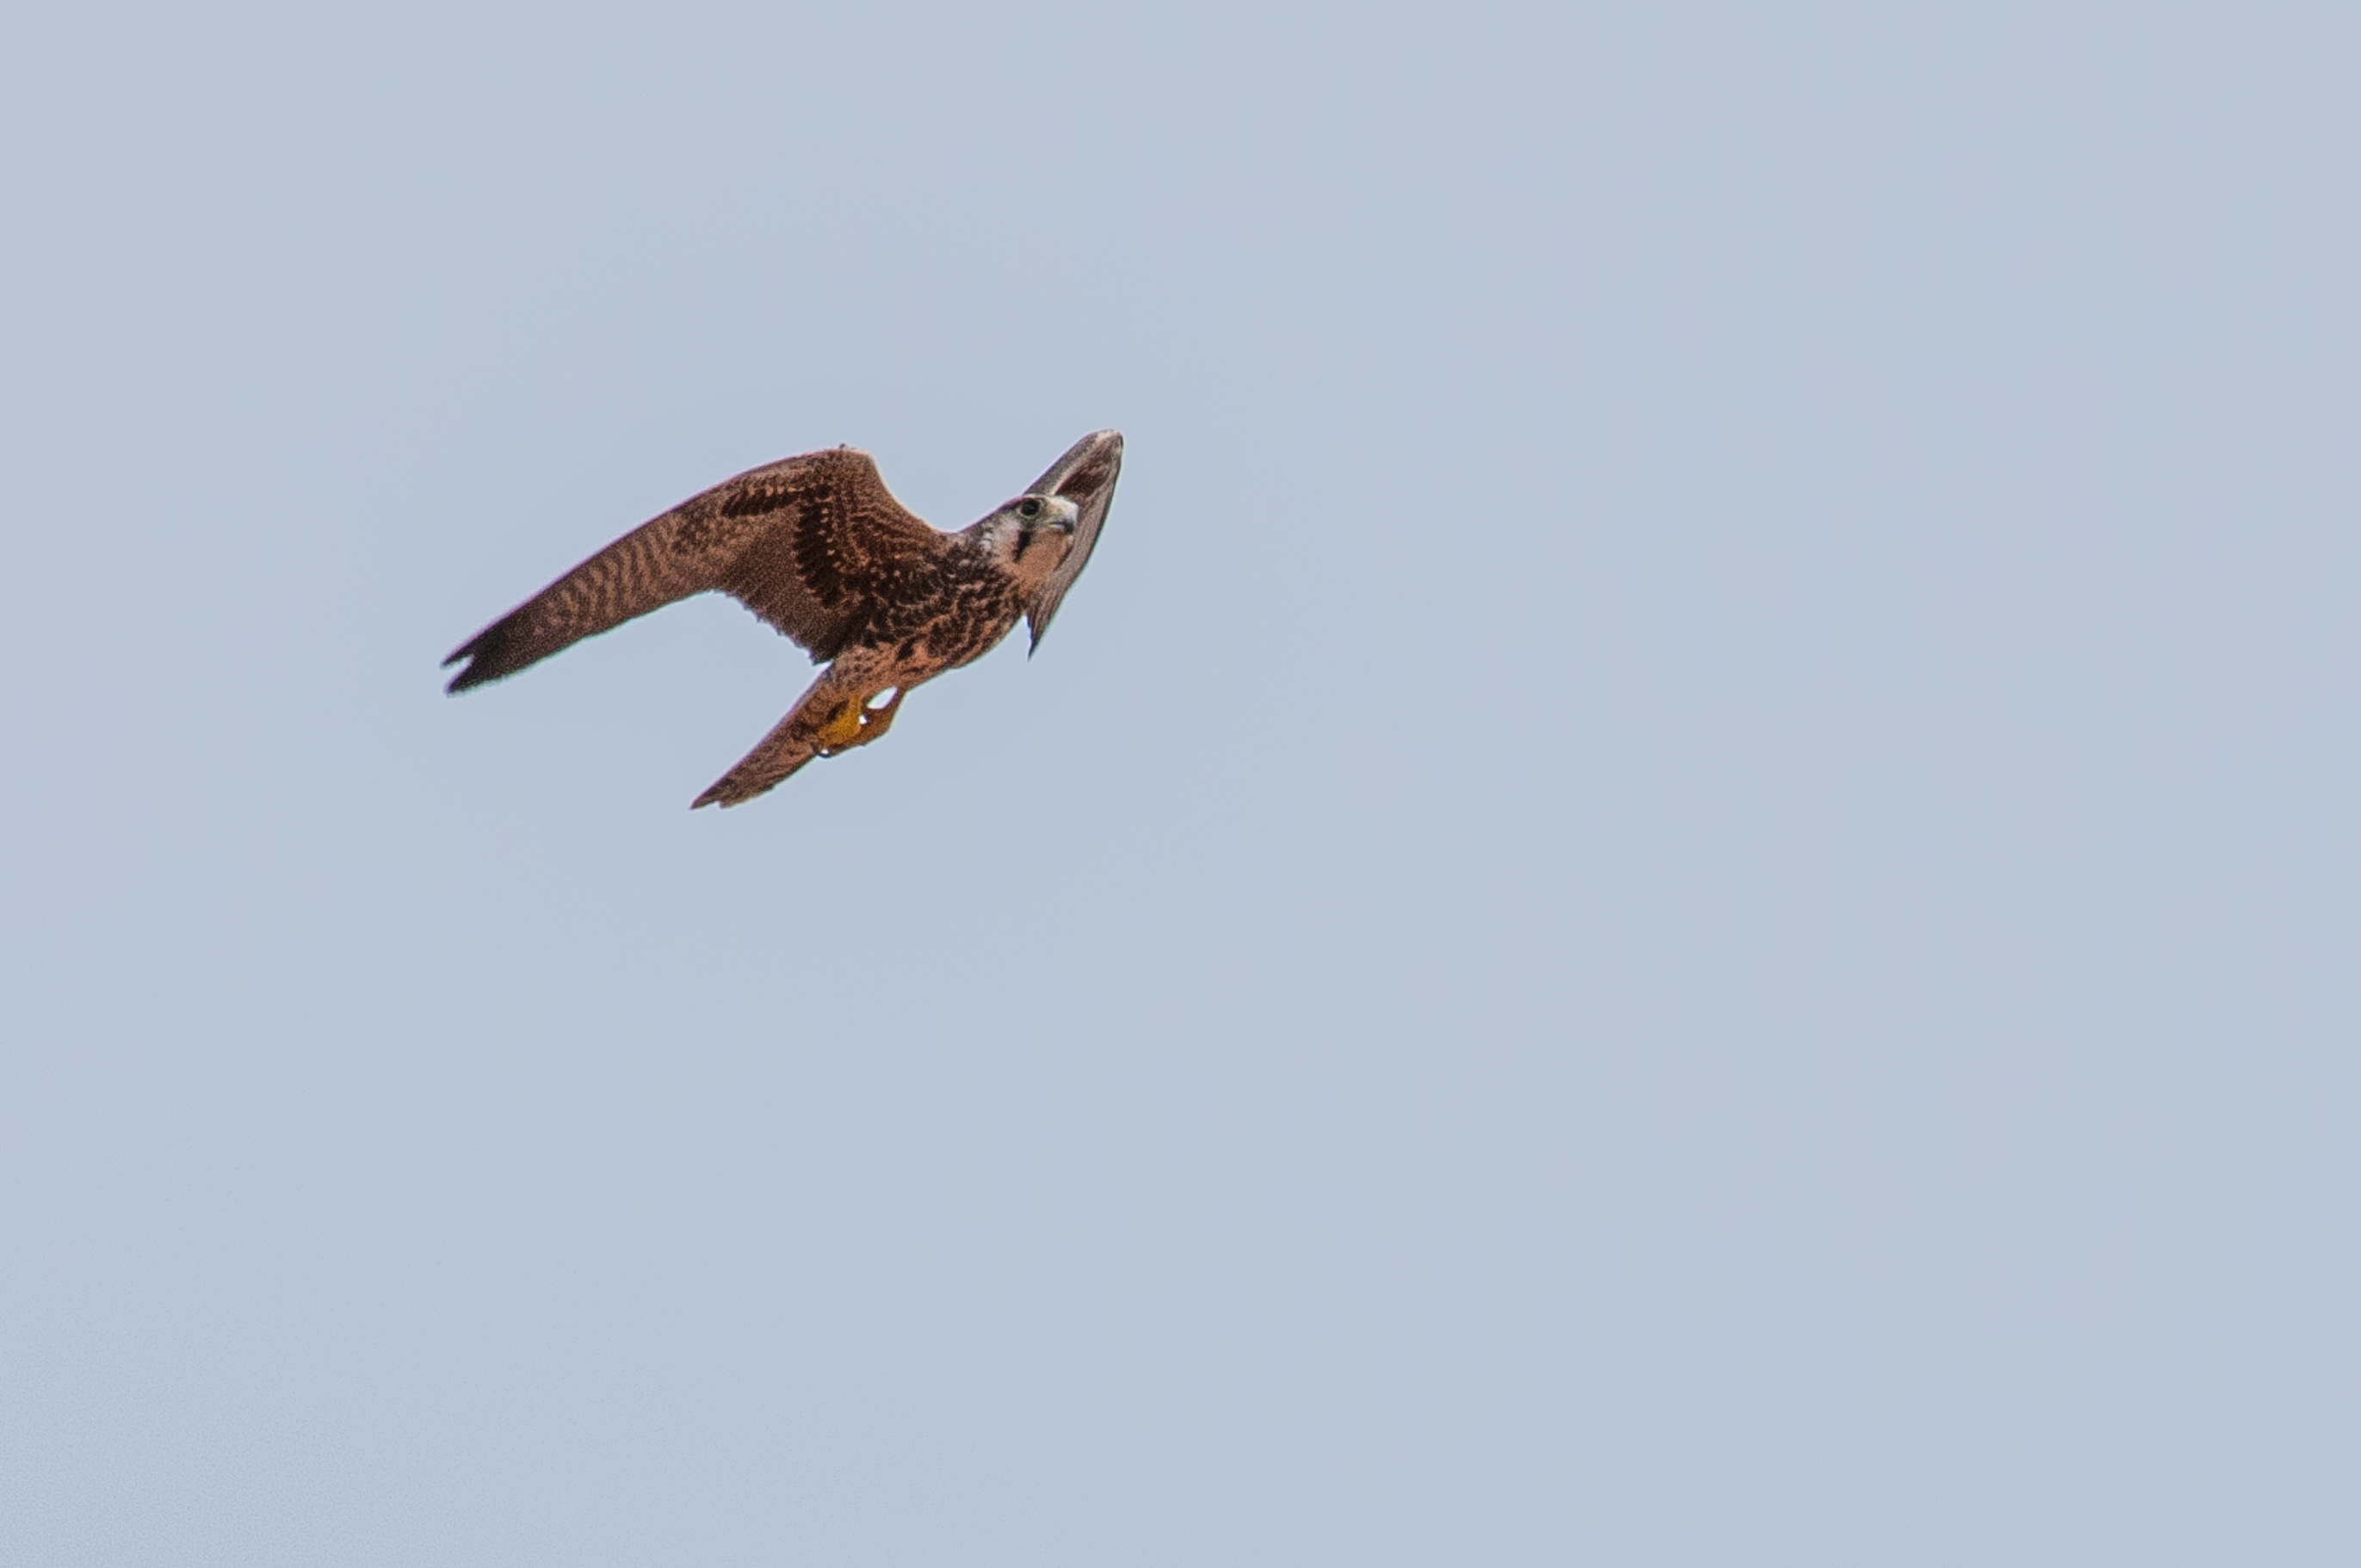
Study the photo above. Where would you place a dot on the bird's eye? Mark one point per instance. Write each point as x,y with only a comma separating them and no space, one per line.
1029,508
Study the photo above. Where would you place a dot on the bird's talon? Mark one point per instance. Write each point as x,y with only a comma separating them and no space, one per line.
876,720
856,724
842,729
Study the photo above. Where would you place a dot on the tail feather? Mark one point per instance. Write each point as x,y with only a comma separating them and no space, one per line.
793,742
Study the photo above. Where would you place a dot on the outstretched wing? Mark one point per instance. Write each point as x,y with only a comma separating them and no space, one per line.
809,543
1086,476
792,742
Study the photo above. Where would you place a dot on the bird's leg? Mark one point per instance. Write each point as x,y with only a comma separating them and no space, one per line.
856,723
877,718
842,728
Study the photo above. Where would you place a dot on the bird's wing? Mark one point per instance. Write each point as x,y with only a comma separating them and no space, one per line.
807,544
792,742
1086,476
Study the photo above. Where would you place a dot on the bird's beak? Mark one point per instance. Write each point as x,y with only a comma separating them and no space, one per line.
1064,515
1086,476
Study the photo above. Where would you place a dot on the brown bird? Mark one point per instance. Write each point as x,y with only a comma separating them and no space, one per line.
819,548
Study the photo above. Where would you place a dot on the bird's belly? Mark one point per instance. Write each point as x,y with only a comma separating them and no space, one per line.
956,632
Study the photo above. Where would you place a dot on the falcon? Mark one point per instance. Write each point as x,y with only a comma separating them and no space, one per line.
819,548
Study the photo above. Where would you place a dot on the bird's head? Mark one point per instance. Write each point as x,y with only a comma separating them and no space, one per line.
1030,537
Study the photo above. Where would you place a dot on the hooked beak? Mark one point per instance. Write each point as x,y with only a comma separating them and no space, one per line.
1059,514
1086,476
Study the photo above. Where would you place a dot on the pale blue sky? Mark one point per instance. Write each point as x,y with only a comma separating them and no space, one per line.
1682,889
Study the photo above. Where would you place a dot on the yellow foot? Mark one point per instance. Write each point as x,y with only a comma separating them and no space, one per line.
842,728
858,723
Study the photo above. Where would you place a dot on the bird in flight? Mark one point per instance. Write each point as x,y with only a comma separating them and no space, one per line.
819,548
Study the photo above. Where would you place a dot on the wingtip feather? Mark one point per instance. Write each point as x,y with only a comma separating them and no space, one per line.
478,672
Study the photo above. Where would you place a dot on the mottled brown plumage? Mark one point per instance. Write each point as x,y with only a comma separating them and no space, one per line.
819,548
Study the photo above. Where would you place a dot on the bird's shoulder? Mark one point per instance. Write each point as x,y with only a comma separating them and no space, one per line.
816,541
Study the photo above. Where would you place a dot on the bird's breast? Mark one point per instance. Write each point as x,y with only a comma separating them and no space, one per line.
965,615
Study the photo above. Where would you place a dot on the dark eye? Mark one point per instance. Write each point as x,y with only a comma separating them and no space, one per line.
1029,508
